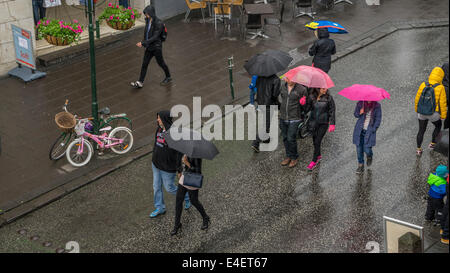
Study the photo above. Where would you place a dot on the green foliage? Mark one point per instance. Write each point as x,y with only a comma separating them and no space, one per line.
115,14
69,32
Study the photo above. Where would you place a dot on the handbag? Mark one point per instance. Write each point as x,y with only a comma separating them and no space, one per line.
193,179
51,3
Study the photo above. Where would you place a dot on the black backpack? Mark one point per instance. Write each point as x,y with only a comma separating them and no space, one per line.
163,35
427,100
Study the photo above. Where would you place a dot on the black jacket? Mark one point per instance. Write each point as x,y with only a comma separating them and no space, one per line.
154,35
165,158
445,80
322,50
322,111
268,90
196,165
290,108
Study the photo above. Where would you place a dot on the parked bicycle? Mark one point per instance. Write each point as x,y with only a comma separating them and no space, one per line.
79,152
58,148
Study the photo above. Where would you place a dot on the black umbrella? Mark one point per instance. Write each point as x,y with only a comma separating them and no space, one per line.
268,63
190,143
442,143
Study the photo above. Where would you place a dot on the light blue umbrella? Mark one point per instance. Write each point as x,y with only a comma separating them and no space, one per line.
331,26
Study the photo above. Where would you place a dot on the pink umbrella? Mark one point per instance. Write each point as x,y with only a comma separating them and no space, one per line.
310,76
361,92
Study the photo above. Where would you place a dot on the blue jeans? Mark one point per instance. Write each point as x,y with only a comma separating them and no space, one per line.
167,179
123,3
360,149
38,10
289,132
252,96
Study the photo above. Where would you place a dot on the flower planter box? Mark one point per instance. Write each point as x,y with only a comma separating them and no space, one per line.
57,41
120,26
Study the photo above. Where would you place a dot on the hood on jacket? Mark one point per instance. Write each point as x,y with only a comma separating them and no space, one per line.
442,171
150,10
165,118
323,33
436,75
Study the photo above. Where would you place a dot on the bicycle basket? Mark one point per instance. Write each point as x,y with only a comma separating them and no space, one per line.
65,121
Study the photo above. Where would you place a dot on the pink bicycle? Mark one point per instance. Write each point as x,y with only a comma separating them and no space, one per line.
79,152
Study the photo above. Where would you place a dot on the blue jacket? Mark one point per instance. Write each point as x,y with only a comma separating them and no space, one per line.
437,186
371,133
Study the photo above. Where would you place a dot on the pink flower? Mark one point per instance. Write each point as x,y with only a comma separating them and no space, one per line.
75,21
117,6
39,22
111,17
117,17
110,5
132,17
48,22
129,7
132,12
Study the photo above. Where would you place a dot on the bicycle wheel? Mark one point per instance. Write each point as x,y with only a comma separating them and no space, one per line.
79,160
115,122
124,134
58,148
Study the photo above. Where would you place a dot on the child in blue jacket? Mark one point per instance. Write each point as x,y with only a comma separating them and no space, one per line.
253,90
437,182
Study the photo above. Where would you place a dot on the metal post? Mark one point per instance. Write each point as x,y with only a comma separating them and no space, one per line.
230,69
93,72
97,29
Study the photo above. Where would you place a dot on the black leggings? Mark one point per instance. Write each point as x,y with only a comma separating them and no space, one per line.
193,196
423,127
318,135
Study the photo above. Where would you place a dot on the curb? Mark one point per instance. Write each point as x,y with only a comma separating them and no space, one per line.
145,149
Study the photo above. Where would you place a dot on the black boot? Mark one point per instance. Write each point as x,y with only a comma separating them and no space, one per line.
175,230
205,223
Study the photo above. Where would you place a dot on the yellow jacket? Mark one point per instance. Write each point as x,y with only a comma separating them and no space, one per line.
436,76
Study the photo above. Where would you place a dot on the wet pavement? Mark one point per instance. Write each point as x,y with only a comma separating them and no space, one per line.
197,57
255,204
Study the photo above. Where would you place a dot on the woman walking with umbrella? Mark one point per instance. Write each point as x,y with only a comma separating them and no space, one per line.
322,118
368,113
194,147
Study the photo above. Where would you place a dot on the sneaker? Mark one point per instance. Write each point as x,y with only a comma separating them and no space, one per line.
156,212
137,84
312,165
255,148
187,204
444,241
432,145
419,151
369,161
360,169
285,162
166,81
293,163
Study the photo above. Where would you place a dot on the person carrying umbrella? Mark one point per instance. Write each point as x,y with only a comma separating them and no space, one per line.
164,165
265,66
322,118
293,102
322,49
431,105
368,113
194,147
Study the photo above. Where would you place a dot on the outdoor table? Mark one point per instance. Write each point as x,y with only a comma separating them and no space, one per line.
259,9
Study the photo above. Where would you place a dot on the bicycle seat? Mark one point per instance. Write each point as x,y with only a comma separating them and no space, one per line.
106,129
104,111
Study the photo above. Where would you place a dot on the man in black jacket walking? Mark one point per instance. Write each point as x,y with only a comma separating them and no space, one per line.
322,49
153,46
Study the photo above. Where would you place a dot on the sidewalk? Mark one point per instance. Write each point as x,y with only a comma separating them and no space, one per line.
197,57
